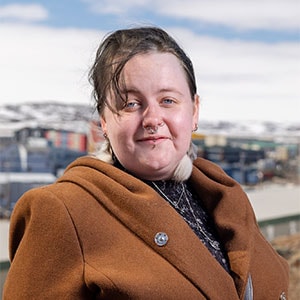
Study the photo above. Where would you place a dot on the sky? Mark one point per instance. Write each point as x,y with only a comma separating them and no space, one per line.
246,53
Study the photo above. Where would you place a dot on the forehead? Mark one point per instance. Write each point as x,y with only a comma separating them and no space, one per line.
155,58
148,74
154,66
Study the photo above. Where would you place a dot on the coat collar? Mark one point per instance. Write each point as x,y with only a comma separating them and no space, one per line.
233,215
134,203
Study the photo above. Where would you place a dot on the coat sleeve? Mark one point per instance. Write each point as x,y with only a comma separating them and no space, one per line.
270,271
45,253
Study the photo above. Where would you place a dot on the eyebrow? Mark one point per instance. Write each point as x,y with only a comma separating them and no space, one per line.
163,90
130,90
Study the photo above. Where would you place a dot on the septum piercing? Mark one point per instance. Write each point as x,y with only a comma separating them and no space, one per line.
153,130
150,130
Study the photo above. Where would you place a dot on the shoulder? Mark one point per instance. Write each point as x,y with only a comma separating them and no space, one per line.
205,170
38,203
204,164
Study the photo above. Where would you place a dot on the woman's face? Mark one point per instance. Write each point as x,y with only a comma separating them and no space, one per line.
158,98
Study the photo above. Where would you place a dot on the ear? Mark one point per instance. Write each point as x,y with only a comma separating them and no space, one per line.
196,104
103,124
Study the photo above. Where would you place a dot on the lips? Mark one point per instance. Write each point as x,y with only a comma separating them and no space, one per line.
153,139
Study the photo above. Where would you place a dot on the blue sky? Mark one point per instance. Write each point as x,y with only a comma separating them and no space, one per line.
97,15
246,53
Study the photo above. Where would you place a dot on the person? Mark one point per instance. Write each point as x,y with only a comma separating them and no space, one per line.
143,218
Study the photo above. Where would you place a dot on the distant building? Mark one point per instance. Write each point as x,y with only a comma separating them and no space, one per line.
251,159
42,150
13,185
65,139
36,156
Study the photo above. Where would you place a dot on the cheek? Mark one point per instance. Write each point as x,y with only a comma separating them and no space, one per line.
181,130
116,134
120,133
182,124
113,125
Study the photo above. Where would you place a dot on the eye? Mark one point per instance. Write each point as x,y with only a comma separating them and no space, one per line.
168,101
131,105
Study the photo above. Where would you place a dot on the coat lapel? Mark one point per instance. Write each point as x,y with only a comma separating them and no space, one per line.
233,215
135,203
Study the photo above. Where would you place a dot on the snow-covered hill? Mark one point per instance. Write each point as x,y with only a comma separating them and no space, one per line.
44,112
49,115
75,117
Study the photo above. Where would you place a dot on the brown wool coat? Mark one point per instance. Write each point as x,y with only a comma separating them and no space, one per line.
91,234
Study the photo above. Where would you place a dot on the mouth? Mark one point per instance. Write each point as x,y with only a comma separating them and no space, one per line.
153,139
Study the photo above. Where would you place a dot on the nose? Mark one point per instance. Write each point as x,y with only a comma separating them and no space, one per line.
152,117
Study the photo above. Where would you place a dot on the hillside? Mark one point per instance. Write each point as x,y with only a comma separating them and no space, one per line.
65,115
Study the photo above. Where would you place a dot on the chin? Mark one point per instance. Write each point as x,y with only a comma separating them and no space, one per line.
157,172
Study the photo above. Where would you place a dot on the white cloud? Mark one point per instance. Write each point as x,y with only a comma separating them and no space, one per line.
116,6
236,80
39,64
250,14
23,12
241,79
241,15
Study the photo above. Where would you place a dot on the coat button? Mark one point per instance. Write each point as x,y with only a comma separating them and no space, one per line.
161,239
283,296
